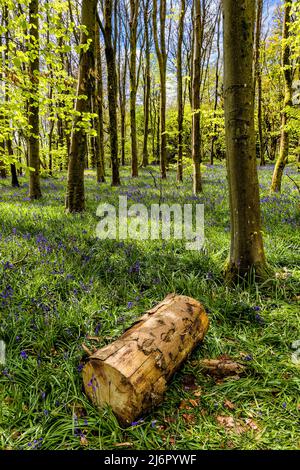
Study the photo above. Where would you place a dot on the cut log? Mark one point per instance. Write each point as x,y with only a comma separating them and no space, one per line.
130,375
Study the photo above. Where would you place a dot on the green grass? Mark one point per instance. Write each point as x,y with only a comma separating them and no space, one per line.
59,284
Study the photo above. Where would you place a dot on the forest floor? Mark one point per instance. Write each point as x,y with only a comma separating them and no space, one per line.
59,284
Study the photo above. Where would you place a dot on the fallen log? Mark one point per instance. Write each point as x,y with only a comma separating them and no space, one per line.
131,373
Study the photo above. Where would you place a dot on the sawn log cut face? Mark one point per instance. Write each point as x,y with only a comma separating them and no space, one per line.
131,374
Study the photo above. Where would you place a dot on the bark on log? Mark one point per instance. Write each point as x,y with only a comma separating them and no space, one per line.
131,374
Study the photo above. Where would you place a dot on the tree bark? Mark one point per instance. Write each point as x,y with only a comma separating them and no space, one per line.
33,103
145,160
196,135
134,12
13,170
122,69
214,138
180,106
131,374
288,83
98,100
247,256
86,82
161,53
110,54
258,80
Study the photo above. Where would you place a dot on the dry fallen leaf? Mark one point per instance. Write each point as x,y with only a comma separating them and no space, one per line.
169,419
83,441
194,403
184,405
198,392
188,418
252,424
231,424
229,405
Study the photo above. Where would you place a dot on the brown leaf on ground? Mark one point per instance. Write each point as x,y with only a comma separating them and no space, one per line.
169,419
198,392
229,405
194,403
83,441
123,444
188,418
231,424
222,367
184,405
251,424
15,434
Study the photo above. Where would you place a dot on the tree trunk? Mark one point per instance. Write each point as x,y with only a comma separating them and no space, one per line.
258,79
180,107
86,83
161,53
98,100
13,170
134,11
33,102
123,49
214,138
247,256
288,82
131,374
145,160
196,135
110,55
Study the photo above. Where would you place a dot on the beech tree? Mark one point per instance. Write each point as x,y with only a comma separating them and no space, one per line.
147,82
288,91
247,255
161,52
258,79
112,86
180,106
134,12
33,102
196,135
75,201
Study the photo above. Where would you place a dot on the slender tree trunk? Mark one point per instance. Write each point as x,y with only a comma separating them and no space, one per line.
258,79
33,103
86,82
2,167
13,170
99,140
180,106
161,52
110,55
123,48
214,138
3,172
196,135
247,256
134,12
288,82
145,160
